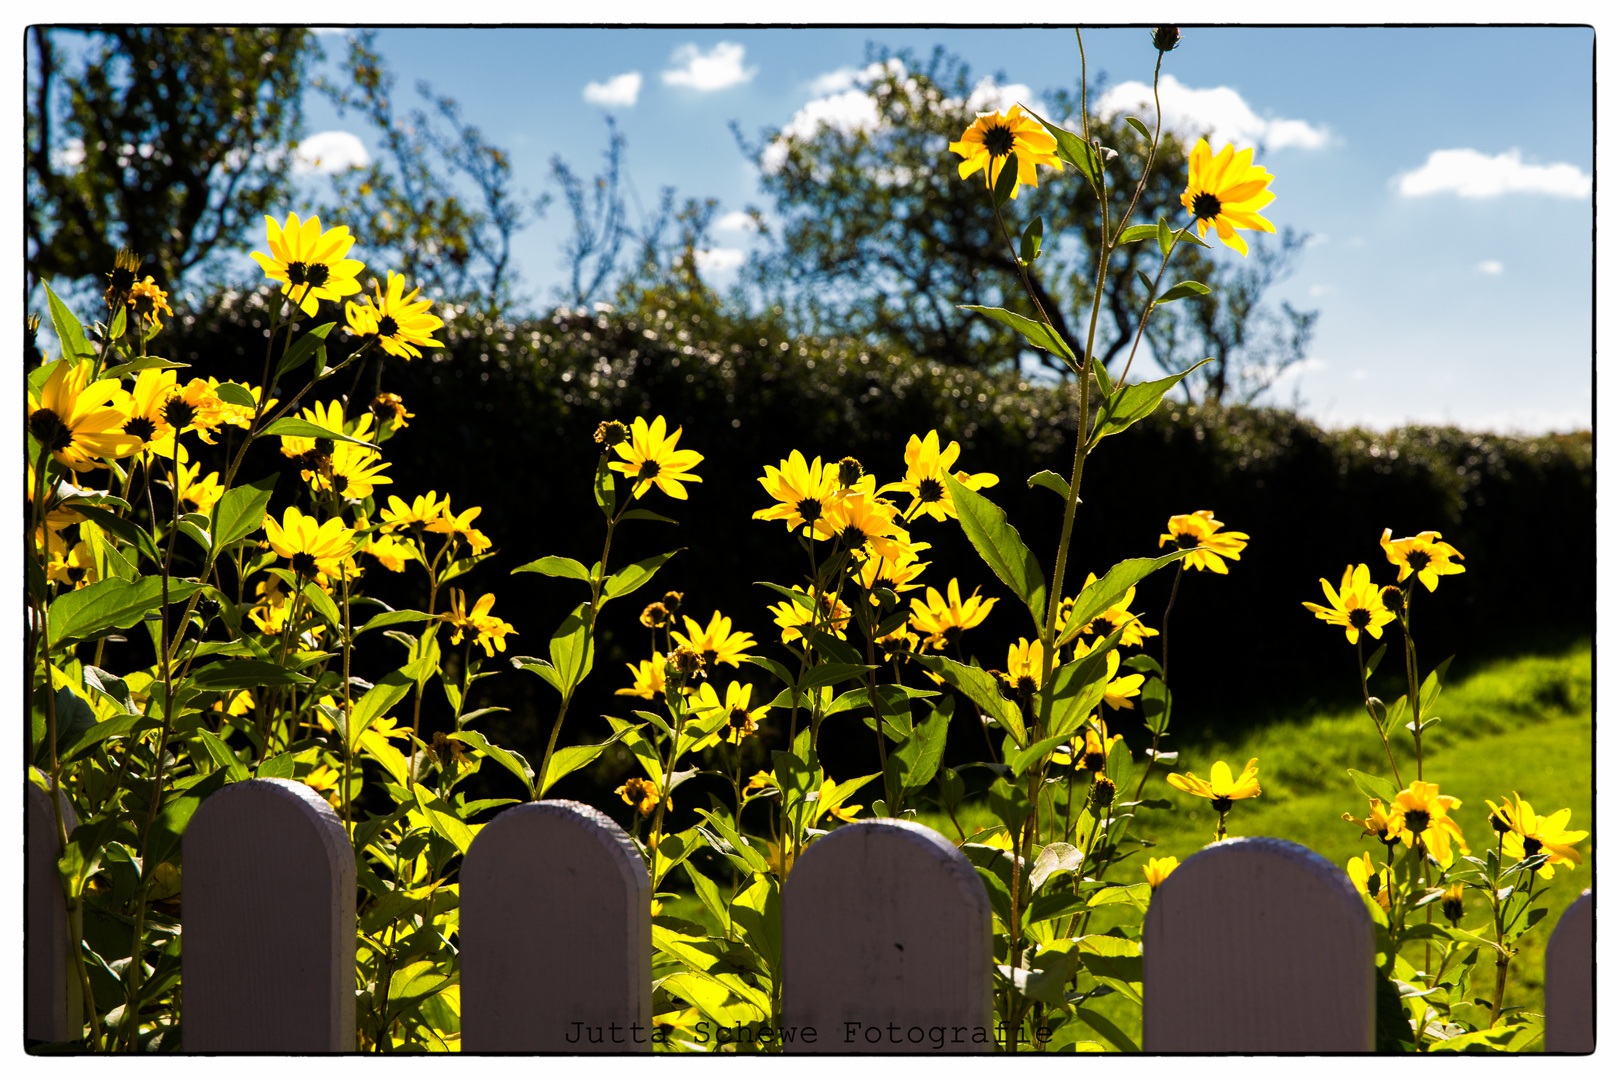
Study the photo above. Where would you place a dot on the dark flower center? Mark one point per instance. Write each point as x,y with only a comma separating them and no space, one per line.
1392,597
1094,761
1417,560
930,491
1532,847
809,509
304,564
853,536
1026,684
1206,206
708,657
1359,617
1500,823
1222,804
1417,820
387,327
1373,886
953,634
648,470
74,573
738,718
178,412
1099,627
121,279
141,427
1186,540
998,139
1102,792
340,483
312,274
47,430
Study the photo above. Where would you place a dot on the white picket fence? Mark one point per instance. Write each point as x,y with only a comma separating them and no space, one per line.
1251,946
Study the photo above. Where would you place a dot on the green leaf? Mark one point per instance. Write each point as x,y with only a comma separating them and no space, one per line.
236,394
442,818
392,618
602,487
111,728
93,610
240,512
628,579
1109,589
1030,755
1135,402
1051,481
1074,150
982,687
463,565
929,739
1029,245
571,647
302,350
69,331
1037,334
1137,232
1167,239
1181,290
1007,179
556,566
638,513
120,324
535,666
1374,787
999,544
388,692
1147,283
1106,1028
1156,703
140,363
708,894
124,529
244,675
757,911
1141,128
298,427
573,758
510,760
1429,693
279,767
1101,372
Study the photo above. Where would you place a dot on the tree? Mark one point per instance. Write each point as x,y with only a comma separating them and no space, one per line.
880,237
168,141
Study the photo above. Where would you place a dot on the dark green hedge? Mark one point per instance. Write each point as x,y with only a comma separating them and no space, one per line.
505,414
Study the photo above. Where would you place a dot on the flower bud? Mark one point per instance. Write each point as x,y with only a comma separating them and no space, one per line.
611,433
1102,793
849,472
1166,38
1394,599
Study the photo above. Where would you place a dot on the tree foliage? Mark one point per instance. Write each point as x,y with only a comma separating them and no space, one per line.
165,140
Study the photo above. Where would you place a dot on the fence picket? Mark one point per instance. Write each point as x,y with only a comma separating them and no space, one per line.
54,1001
1571,1020
556,934
269,891
886,929
1257,945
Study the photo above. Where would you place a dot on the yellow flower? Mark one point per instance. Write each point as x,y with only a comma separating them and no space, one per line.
1220,789
315,549
993,135
715,642
353,471
802,493
196,496
75,566
790,616
898,643
230,413
1157,870
1376,823
491,632
400,321
741,721
828,803
392,551
650,458
1092,754
1198,530
943,619
1227,190
144,406
390,409
760,781
422,510
1424,555
641,794
1420,814
329,416
898,574
1110,620
926,468
146,300
309,263
865,524
1365,877
1024,666
1356,606
1529,835
459,525
74,417
648,679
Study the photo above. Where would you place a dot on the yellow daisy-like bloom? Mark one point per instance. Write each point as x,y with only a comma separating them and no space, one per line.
1424,555
1357,605
650,458
864,523
75,566
1157,870
197,496
422,510
1024,666
392,551
353,471
390,409
1220,789
1227,191
641,794
760,781
309,263
993,135
790,616
144,406
329,416
648,679
1093,753
1365,877
1110,620
491,631
315,549
238,704
803,494
272,605
460,526
943,618
1376,823
1529,835
146,300
325,780
235,415
826,805
741,721
78,419
400,321
1421,814
898,574
1200,530
125,265
926,468
898,644
715,642
1118,692
193,407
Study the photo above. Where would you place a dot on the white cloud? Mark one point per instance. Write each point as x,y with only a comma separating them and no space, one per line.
736,221
716,260
987,97
619,90
327,31
1218,113
1489,266
1472,175
846,113
716,69
1322,290
844,78
330,152
69,156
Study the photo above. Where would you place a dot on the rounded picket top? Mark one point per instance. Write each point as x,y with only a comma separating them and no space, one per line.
53,999
886,944
268,965
1571,1020
556,934
1260,946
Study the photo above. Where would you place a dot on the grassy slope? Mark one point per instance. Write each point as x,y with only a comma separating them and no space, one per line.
1520,725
